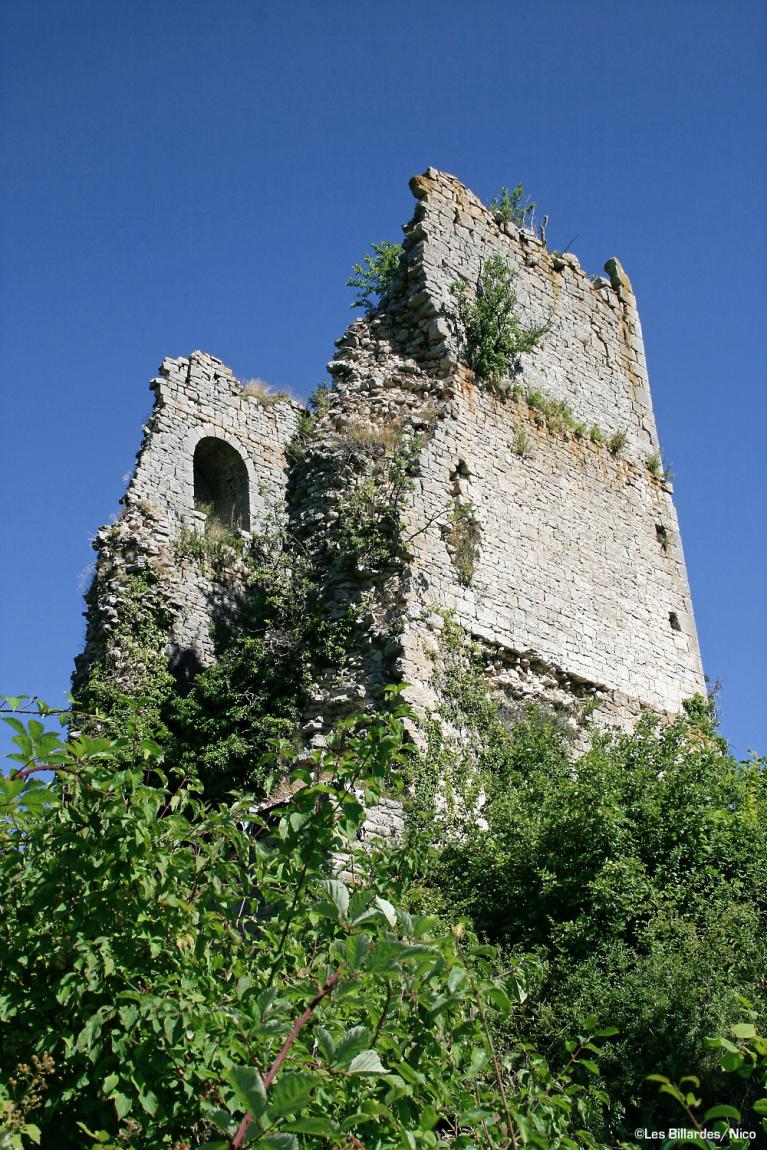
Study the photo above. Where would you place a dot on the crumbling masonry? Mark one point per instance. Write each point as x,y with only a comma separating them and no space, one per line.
569,571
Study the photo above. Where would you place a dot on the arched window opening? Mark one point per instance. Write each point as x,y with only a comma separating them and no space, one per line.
221,484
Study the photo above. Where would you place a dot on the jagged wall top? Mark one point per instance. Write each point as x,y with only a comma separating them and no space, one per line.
593,357
197,398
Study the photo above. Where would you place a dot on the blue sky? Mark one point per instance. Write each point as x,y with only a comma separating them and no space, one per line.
203,174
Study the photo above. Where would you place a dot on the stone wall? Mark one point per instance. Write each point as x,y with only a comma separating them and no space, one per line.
579,585
198,401
576,584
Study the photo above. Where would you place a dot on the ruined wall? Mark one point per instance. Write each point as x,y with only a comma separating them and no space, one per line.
576,587
198,402
579,587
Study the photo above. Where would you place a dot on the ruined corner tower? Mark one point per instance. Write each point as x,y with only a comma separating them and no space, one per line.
569,575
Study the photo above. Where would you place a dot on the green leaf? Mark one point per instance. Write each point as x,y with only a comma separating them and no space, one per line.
367,1062
248,1087
323,1126
148,1102
357,946
428,1118
289,1094
96,1135
358,905
387,910
456,978
760,1106
479,1061
122,1103
722,1112
325,1042
499,998
743,1030
339,895
278,1142
354,1040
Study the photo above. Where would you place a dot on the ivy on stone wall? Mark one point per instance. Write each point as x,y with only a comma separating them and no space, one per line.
130,674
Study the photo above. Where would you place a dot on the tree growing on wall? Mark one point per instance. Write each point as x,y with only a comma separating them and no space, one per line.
374,276
491,333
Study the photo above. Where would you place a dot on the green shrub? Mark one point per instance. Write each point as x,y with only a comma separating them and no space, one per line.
617,442
634,871
514,206
553,414
653,465
491,332
375,275
175,974
521,444
595,435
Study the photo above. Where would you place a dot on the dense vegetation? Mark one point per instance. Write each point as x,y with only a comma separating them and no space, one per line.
636,873
178,973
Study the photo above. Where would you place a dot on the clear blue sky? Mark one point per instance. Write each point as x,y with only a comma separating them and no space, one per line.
203,173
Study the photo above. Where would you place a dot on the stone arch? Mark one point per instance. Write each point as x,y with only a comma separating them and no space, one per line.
188,449
221,483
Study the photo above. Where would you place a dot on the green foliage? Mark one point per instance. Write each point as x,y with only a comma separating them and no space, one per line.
595,435
492,334
654,466
254,690
635,872
617,442
215,546
317,406
521,444
291,627
657,470
365,536
181,973
553,414
742,1052
514,206
136,645
375,275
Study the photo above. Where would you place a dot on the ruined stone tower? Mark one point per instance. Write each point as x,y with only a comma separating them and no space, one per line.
556,548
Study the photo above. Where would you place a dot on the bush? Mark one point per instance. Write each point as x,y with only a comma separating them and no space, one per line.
375,275
617,442
176,974
491,332
514,206
636,872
